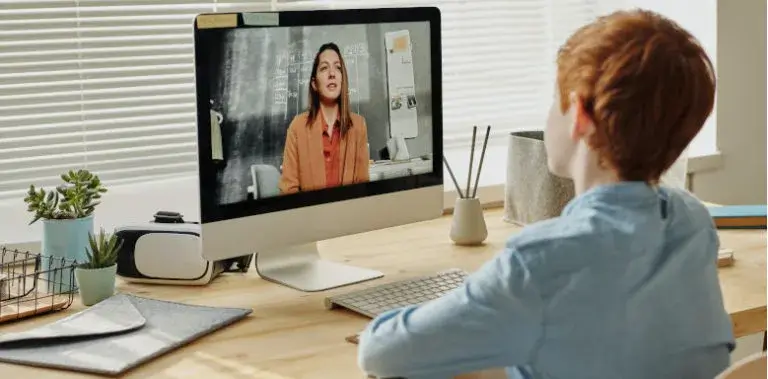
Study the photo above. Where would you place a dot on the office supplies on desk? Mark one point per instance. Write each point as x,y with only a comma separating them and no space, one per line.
725,258
453,177
470,191
33,284
468,226
482,158
738,216
375,300
115,335
471,159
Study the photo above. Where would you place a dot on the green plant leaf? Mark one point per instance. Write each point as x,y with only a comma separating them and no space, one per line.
92,243
74,198
112,243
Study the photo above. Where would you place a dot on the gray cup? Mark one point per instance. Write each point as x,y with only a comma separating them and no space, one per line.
532,192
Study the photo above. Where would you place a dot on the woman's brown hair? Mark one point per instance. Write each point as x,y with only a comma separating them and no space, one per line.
646,83
345,117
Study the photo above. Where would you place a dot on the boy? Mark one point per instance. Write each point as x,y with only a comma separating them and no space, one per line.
624,283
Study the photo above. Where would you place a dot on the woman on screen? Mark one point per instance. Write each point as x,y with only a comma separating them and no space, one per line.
327,145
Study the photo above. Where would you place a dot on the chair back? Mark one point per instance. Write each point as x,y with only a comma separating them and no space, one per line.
266,180
751,367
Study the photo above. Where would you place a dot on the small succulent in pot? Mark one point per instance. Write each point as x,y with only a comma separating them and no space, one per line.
96,276
102,251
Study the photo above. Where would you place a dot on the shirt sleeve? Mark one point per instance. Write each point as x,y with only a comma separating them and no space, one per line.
493,320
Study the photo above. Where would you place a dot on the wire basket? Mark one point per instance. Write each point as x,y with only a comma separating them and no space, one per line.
33,284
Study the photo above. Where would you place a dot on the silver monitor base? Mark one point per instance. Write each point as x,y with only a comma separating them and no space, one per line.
300,267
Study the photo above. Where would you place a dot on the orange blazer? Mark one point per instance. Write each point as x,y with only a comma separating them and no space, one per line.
304,162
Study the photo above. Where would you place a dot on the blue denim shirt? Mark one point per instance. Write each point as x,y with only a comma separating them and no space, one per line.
622,285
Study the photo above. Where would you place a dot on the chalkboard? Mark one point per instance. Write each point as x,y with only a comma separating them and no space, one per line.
260,79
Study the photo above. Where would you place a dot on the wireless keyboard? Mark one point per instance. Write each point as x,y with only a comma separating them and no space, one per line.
375,300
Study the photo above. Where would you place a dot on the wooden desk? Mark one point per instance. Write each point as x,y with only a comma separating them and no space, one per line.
290,334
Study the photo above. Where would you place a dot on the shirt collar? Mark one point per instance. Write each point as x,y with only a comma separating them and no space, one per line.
324,124
628,193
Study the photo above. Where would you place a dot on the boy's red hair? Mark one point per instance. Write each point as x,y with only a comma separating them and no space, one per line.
646,83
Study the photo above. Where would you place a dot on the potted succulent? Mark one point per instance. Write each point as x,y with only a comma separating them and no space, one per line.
67,213
67,217
96,276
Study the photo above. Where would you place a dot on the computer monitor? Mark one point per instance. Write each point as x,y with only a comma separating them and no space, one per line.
277,173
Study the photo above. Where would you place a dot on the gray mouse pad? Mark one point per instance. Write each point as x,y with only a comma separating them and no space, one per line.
115,335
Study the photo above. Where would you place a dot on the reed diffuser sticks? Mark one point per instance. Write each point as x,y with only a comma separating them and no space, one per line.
470,192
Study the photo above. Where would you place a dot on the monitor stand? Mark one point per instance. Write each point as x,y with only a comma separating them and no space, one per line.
300,267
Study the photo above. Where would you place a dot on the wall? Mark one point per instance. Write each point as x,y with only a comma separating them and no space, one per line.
741,118
422,77
701,21
741,106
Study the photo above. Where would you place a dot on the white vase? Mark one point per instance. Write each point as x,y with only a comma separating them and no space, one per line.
468,225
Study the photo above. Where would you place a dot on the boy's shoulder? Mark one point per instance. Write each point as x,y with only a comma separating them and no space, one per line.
568,239
579,238
686,210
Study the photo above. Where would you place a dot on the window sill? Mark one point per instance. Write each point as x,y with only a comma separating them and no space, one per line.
705,162
135,204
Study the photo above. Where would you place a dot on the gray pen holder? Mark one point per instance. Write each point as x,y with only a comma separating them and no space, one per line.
468,224
532,192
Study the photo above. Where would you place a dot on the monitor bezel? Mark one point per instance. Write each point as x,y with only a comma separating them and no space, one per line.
212,211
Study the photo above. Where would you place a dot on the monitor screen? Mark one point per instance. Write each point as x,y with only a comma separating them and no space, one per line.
311,110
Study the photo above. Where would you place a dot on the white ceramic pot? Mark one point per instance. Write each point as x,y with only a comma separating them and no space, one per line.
468,224
95,285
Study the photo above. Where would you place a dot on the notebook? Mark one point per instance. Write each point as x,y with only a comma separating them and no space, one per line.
739,216
115,335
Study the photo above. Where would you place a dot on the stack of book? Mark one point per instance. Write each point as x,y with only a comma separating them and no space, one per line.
739,216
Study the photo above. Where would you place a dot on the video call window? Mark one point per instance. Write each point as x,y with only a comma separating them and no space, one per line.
297,109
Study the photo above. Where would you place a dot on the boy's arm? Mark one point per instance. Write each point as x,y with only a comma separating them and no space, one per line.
493,320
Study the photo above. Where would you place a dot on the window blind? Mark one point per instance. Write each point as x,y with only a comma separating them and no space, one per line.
106,85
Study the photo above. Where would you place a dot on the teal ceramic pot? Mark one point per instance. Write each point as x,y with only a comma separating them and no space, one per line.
67,239
96,285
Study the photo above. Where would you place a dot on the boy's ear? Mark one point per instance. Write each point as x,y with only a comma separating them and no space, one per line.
582,125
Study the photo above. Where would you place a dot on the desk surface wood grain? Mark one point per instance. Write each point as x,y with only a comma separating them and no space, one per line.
290,334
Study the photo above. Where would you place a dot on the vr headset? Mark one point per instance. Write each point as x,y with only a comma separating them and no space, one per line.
167,250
